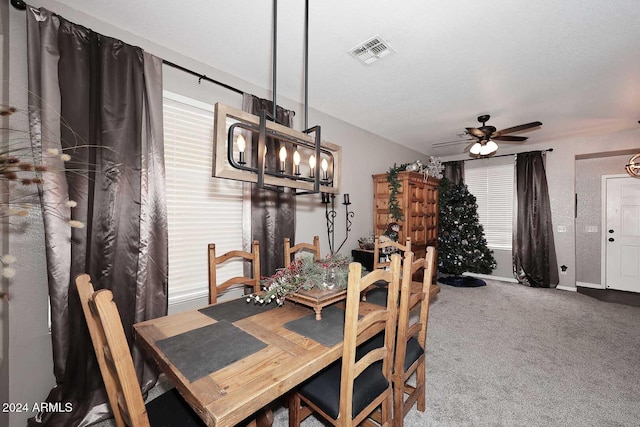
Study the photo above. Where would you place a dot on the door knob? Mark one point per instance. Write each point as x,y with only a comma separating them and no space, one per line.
611,239
610,231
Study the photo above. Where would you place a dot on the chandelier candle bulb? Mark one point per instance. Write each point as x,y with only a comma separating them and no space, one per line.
296,162
312,166
283,158
325,167
242,145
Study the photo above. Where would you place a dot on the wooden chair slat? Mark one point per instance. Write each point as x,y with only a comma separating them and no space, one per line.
378,246
290,251
216,288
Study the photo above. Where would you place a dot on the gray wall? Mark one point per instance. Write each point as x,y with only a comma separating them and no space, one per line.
504,264
28,367
589,174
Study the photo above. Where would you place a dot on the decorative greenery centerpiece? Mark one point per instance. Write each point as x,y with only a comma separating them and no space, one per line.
304,273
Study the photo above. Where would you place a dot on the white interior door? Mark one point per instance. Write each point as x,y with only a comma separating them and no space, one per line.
622,234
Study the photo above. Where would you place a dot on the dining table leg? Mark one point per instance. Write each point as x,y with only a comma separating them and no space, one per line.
264,417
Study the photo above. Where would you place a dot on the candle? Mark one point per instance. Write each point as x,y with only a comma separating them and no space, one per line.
346,199
325,167
283,157
312,166
296,162
242,145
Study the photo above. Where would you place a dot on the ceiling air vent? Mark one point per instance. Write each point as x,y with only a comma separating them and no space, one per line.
371,50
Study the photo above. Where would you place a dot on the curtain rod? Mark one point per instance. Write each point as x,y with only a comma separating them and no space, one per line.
21,5
505,155
202,77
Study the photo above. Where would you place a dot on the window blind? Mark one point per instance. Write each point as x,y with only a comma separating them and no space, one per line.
493,188
200,209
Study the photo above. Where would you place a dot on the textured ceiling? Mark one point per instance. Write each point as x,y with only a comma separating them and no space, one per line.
574,65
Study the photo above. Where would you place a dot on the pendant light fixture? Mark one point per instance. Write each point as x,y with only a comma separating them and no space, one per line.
236,130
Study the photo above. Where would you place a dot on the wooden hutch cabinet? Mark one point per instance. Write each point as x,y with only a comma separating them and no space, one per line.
418,201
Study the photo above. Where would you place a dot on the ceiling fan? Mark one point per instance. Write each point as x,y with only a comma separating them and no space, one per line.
487,135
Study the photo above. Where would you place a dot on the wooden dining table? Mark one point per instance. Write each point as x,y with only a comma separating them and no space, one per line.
242,388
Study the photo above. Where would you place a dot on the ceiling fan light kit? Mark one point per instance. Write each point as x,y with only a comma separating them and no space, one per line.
484,148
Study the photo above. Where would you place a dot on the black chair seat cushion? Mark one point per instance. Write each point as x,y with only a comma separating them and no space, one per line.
414,350
324,388
171,410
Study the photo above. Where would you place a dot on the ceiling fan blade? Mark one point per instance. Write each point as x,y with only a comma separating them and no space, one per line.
453,142
475,132
518,128
510,138
468,147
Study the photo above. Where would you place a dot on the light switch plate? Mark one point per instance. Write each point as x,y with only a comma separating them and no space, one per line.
562,229
591,229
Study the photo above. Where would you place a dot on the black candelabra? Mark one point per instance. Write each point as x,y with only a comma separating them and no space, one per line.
330,215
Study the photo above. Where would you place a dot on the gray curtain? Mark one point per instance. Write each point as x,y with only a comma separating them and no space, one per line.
107,99
454,172
273,213
534,255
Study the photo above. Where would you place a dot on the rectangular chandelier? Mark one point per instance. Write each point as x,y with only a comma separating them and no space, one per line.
304,162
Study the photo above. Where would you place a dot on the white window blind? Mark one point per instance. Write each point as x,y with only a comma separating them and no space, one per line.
493,188
200,209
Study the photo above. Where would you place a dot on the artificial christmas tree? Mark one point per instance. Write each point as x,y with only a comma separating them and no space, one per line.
462,246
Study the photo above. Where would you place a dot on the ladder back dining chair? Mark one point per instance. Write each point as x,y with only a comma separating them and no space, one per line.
290,251
215,262
351,389
412,336
381,249
117,369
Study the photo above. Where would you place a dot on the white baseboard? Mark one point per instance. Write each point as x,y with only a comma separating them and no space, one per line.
567,288
490,277
590,285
